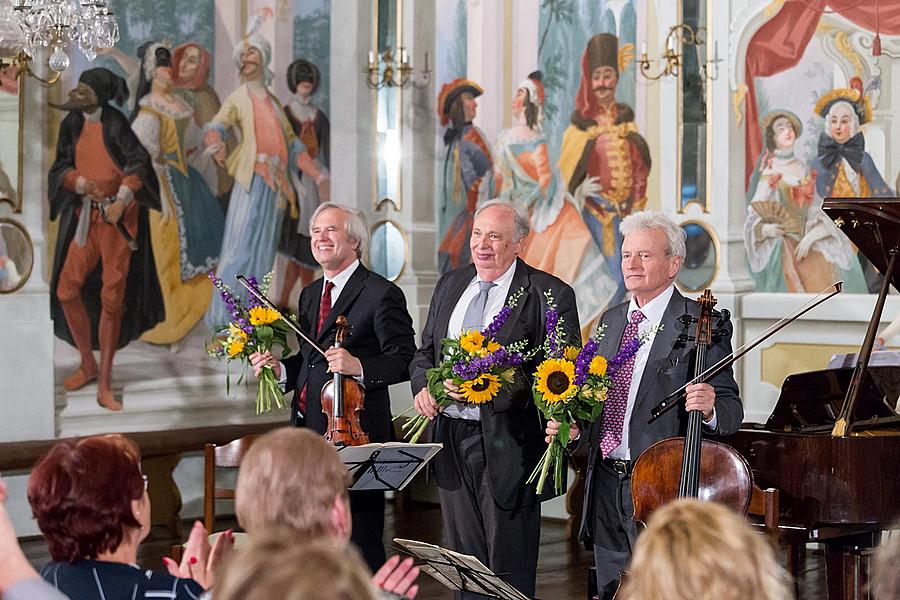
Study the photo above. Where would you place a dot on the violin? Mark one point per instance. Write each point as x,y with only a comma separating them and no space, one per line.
343,398
705,469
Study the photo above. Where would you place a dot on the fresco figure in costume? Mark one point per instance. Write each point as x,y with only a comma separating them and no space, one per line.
102,295
190,78
187,233
311,126
559,243
603,158
466,179
843,167
260,166
792,245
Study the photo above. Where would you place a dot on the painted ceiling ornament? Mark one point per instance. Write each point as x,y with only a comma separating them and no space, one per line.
453,90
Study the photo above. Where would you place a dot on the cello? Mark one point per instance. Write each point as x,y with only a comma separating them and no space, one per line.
708,470
342,400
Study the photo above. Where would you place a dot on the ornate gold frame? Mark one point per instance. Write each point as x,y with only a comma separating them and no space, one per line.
716,246
403,235
379,203
27,273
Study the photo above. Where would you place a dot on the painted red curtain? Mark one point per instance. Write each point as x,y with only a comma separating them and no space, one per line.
779,44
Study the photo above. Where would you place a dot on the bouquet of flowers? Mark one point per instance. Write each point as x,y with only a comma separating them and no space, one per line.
475,362
571,383
253,328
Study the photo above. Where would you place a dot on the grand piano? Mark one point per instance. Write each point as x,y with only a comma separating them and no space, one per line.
832,444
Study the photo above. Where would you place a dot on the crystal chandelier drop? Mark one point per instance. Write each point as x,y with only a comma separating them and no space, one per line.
89,25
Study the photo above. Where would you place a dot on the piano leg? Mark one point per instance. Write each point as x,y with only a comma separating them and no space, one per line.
847,566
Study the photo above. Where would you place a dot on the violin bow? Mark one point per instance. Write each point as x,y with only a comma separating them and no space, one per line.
290,322
671,401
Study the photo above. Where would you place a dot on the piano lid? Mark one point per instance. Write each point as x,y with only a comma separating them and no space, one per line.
873,224
811,401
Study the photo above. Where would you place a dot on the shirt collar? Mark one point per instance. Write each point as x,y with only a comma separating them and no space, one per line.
504,279
93,117
341,279
653,310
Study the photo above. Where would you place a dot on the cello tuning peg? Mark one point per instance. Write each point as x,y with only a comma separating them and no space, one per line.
685,338
687,319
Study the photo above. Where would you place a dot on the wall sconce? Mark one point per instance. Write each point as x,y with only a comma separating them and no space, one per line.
679,36
386,72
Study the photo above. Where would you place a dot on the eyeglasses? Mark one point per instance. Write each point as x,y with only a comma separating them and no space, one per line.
146,481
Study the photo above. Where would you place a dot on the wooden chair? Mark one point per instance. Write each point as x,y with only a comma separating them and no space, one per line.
228,456
764,504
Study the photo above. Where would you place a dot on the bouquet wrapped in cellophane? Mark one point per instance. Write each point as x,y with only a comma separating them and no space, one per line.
475,362
570,384
252,328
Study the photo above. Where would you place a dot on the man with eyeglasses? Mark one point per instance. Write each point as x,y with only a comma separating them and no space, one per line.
653,250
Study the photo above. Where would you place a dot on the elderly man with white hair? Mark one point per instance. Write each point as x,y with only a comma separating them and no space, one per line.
653,250
260,165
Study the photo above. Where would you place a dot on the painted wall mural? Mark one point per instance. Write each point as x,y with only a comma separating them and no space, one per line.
813,131
227,181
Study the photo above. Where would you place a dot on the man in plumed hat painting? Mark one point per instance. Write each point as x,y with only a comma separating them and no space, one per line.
103,292
604,160
467,176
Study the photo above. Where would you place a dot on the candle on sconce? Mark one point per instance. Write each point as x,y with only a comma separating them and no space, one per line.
716,51
644,49
426,62
371,58
404,58
670,44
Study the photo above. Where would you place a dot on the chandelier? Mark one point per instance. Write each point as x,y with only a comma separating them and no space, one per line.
89,25
385,70
673,61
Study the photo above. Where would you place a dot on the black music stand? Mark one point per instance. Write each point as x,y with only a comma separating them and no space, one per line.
460,572
388,467
873,225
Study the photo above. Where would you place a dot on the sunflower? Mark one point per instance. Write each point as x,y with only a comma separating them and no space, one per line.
571,353
555,380
481,389
492,346
236,333
598,366
471,341
262,315
235,348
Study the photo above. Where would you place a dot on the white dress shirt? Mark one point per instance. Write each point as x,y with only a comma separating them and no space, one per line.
495,302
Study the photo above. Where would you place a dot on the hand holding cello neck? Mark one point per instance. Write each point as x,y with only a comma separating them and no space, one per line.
671,401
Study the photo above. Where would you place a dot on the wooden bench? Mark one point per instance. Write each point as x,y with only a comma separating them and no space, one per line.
160,453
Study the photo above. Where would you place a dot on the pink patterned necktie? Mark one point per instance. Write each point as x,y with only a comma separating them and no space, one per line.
617,400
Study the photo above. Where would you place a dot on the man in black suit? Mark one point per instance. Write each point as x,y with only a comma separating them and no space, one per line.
653,249
491,449
376,351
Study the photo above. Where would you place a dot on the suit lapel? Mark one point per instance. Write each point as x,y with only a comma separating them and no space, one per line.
520,280
354,287
456,287
309,307
663,344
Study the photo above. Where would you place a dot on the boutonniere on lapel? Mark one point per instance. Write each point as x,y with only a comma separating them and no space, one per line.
476,363
571,384
253,328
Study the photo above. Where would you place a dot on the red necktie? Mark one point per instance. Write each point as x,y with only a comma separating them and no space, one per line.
324,309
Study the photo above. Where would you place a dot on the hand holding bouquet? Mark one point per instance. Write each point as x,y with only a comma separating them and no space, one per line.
476,363
254,328
571,383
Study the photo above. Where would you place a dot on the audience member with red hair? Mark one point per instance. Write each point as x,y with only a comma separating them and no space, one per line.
90,501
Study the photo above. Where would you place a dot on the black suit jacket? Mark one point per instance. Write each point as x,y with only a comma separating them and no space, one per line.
668,368
379,334
512,427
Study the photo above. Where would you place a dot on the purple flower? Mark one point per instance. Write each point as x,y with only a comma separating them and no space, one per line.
253,300
491,330
624,354
583,362
552,321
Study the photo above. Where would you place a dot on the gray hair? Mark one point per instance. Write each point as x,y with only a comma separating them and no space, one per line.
356,227
652,220
522,223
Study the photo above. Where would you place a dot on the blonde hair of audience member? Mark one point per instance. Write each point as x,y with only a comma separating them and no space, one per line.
291,476
269,567
693,550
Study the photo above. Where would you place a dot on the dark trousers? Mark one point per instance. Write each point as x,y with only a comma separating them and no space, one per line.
367,509
506,541
614,527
